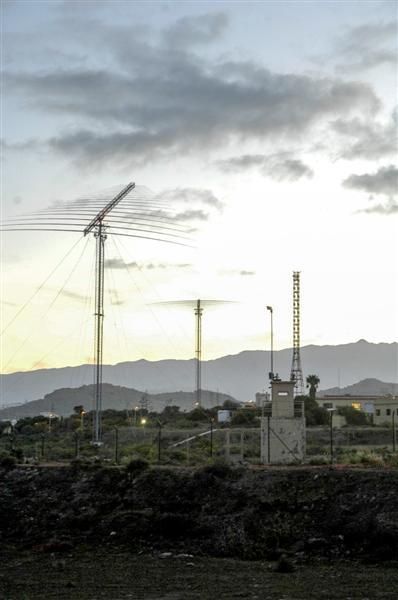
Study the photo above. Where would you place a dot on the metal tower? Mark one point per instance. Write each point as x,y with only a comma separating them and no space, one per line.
99,229
141,215
198,353
198,306
296,374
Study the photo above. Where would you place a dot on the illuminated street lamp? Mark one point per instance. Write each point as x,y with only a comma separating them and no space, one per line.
82,413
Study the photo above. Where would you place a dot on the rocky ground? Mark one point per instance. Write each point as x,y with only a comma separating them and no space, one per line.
234,533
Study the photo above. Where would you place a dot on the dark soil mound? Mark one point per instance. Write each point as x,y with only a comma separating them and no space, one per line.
216,511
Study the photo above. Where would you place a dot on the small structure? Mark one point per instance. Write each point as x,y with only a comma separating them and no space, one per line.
282,426
379,408
224,416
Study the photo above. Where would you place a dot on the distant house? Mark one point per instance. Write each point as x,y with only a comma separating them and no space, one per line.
380,408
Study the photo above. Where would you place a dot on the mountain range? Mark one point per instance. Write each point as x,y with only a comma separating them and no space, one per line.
240,375
62,401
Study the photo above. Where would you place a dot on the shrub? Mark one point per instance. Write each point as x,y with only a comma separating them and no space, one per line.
219,469
136,466
7,462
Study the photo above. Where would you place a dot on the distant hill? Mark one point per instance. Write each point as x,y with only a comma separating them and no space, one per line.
366,387
240,375
62,401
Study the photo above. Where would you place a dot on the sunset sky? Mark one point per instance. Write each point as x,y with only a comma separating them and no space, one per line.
275,125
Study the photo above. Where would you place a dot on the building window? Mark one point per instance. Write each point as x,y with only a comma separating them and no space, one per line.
377,412
356,405
388,412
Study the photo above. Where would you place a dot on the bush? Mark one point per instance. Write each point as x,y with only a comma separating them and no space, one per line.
219,469
353,416
314,414
7,462
136,466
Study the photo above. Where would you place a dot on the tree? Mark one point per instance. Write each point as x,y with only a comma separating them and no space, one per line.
78,410
314,414
353,416
312,383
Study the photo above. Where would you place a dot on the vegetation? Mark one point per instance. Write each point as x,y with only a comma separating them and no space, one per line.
312,383
353,416
314,414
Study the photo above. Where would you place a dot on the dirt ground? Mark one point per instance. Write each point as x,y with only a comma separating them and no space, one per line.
116,574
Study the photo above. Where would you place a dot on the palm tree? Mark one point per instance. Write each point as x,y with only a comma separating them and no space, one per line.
312,383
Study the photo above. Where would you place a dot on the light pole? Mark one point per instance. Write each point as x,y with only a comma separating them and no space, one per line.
82,413
331,411
271,373
116,446
394,433
211,436
159,423
143,423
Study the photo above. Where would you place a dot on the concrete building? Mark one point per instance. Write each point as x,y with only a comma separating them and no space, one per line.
379,408
282,426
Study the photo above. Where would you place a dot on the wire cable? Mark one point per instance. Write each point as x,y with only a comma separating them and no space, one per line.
40,286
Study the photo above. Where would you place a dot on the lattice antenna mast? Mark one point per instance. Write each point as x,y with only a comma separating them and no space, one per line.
296,373
98,227
198,353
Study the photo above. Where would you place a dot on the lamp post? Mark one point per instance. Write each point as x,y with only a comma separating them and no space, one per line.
331,411
211,436
116,446
82,413
271,373
159,424
394,433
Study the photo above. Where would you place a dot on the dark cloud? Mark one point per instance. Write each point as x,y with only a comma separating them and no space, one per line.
281,167
118,263
389,208
151,100
368,46
383,182
190,31
367,139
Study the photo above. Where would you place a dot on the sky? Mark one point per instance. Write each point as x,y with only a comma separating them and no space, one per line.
274,125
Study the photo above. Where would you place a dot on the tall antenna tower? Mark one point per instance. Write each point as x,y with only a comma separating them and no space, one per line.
140,215
296,373
198,306
97,226
198,352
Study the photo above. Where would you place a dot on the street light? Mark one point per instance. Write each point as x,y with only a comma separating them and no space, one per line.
211,436
82,413
271,373
331,411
